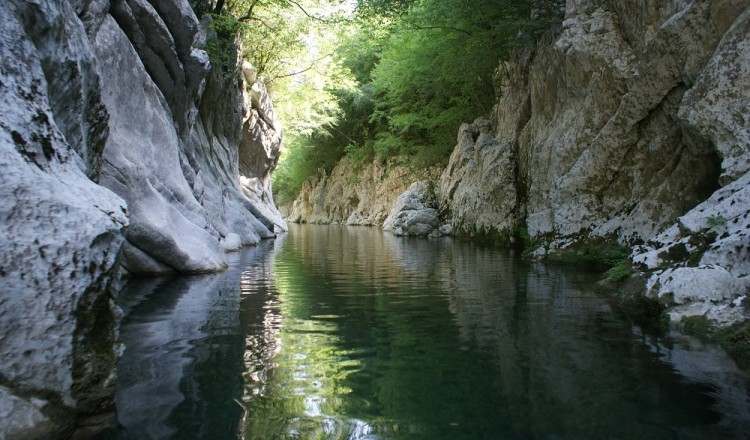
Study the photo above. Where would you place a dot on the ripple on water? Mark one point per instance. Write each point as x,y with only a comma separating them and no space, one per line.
347,333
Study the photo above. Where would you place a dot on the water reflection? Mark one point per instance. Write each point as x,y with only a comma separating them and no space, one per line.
180,376
346,333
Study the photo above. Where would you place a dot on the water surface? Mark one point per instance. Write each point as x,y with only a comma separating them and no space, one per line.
348,333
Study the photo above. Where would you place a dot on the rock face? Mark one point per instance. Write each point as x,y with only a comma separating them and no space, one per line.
353,196
480,168
173,152
118,144
413,214
60,233
635,117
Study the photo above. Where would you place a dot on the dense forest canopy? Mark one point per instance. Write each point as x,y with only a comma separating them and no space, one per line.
374,79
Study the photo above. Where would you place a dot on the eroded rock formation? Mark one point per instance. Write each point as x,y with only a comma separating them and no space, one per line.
414,213
173,150
633,118
117,139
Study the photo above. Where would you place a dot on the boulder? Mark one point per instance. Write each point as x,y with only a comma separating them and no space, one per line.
411,215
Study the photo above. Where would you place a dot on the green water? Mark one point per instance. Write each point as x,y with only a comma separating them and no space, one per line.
349,333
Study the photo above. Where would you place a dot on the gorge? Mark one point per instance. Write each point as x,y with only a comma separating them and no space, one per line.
628,126
128,149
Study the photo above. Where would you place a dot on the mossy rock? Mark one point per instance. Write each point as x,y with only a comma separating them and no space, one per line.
597,253
696,326
629,296
736,341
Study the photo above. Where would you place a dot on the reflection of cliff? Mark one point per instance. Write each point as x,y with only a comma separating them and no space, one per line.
559,351
436,330
184,337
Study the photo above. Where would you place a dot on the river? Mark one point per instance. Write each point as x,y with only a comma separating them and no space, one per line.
333,332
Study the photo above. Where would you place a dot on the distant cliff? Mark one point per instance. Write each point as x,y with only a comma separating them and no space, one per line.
120,148
353,195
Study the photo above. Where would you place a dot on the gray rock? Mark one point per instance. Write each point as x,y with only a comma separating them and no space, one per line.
181,152
22,418
717,231
125,100
627,126
142,163
478,187
353,195
717,104
60,233
410,215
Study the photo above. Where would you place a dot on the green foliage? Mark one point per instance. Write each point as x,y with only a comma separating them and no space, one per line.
221,44
393,80
431,198
736,340
595,253
716,222
696,325
620,271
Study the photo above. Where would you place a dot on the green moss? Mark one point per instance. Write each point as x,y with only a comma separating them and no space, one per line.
696,326
629,298
620,271
736,341
595,253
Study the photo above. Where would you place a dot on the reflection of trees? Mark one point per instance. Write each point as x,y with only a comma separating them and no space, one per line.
346,332
441,339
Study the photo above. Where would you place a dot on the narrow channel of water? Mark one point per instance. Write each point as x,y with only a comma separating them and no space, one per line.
347,333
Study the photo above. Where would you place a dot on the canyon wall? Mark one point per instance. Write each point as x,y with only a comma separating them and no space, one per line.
123,151
630,124
353,195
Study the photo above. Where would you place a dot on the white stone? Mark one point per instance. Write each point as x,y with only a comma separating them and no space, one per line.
231,242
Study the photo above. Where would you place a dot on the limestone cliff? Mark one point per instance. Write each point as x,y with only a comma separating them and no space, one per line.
119,144
631,124
179,140
353,195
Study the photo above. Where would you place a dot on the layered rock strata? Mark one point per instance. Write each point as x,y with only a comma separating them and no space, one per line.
173,150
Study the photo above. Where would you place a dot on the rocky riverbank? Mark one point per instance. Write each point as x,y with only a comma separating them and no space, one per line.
628,126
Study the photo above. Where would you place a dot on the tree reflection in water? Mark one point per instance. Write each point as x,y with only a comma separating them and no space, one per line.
347,333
